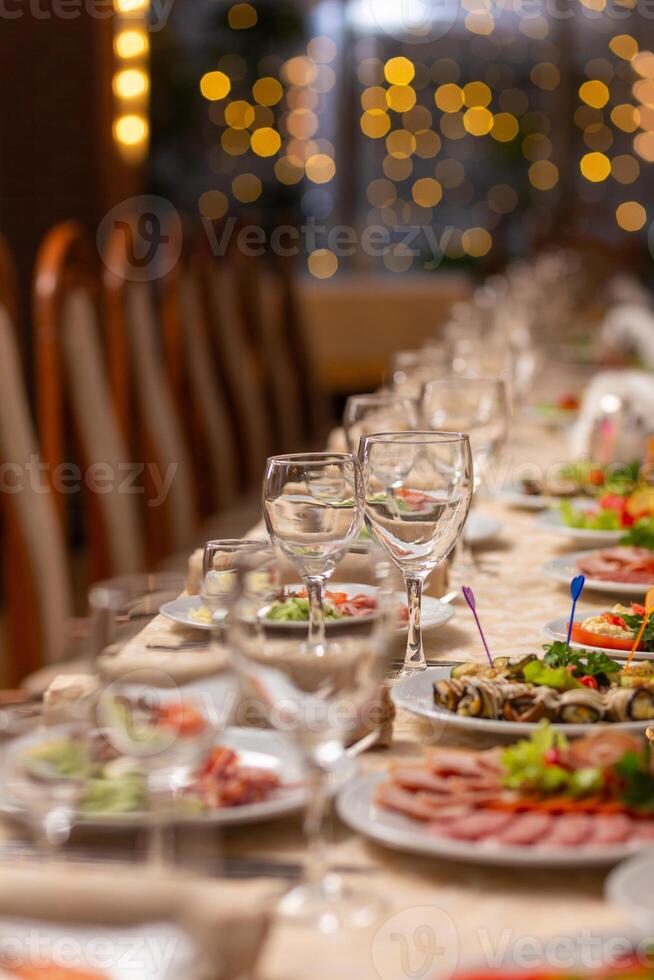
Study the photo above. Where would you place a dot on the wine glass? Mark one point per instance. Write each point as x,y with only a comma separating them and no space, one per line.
477,406
418,487
410,369
46,773
219,562
313,509
319,697
379,412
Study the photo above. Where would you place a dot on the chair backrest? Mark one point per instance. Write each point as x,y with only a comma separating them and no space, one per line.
144,396
72,382
262,305
197,383
241,369
37,585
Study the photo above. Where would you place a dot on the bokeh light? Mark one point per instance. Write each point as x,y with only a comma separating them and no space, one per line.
631,216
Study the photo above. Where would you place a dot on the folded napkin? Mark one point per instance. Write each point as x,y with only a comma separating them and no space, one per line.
191,929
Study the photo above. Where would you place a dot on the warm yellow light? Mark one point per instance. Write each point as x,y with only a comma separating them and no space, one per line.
302,123
478,121
289,170
477,94
130,130
428,144
215,85
480,22
130,83
130,6
401,98
631,216
267,91
399,71
476,242
239,114
374,98
300,70
427,192
322,263
322,49
598,137
131,44
543,175
213,204
536,147
400,143
594,93
396,168
375,123
266,142
625,117
644,91
595,167
452,126
320,168
596,5
381,193
236,142
241,16
505,127
417,119
644,146
449,97
625,169
546,76
246,188
624,46
644,64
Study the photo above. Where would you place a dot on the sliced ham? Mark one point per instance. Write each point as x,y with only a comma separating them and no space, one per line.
620,564
643,830
417,777
479,825
526,829
611,828
568,830
459,762
393,797
472,798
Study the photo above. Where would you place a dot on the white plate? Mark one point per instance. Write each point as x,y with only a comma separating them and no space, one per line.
263,749
552,521
480,528
557,629
356,807
564,569
434,613
513,496
414,693
629,887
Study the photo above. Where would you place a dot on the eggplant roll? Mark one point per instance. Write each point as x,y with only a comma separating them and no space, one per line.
630,704
534,704
580,706
448,693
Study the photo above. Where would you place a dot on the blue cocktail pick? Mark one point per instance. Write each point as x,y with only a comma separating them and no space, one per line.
576,588
469,597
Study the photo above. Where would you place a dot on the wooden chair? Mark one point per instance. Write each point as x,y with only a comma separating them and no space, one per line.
75,407
145,402
197,382
37,589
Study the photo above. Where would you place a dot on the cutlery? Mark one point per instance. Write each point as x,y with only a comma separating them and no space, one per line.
190,645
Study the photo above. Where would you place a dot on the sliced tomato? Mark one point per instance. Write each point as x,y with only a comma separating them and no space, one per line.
614,620
637,609
589,639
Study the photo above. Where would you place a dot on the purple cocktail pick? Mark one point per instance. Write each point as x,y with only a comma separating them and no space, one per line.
469,597
576,588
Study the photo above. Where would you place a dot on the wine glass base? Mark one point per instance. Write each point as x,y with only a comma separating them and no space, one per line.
405,671
329,906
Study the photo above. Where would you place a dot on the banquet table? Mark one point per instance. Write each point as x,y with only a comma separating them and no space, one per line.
473,912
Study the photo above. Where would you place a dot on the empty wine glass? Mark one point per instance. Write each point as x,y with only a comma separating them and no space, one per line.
313,509
380,412
418,487
219,573
410,369
477,406
320,697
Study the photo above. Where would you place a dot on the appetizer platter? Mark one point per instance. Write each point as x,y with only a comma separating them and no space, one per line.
572,689
247,776
607,632
611,518
582,479
540,801
343,603
624,569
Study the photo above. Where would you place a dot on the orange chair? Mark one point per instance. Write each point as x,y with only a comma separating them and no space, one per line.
76,415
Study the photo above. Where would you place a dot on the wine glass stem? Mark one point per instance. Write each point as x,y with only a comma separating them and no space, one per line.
161,846
415,657
316,863
315,587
